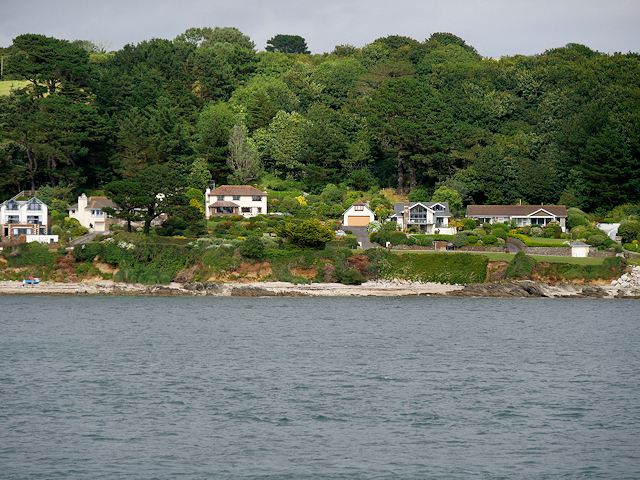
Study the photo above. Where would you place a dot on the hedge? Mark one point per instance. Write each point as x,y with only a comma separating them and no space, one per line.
437,267
529,243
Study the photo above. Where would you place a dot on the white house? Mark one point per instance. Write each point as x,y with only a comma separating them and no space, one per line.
427,216
242,200
357,215
88,211
26,217
522,214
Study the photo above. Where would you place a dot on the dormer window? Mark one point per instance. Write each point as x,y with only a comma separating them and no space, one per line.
12,205
359,208
438,207
33,205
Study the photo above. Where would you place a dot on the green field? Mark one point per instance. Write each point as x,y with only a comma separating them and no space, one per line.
7,85
506,257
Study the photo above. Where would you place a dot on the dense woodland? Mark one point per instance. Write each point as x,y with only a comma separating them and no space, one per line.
559,127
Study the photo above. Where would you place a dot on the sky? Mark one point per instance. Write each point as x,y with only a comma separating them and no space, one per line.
495,28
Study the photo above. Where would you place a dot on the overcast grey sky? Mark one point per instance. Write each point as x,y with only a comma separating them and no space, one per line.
495,27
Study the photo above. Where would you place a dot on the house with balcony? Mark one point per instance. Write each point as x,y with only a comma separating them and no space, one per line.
25,217
520,215
89,212
242,200
426,216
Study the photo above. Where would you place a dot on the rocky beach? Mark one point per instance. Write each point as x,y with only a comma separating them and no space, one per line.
627,286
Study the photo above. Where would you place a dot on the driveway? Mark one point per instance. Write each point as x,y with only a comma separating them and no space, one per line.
87,238
362,236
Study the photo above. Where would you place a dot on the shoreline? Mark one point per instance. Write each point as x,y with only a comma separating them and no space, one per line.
518,288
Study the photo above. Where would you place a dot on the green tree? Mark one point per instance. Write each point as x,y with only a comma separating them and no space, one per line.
130,197
48,62
444,194
411,120
287,44
199,175
307,233
243,161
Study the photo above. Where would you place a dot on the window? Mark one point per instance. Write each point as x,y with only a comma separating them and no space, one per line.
246,209
221,198
34,206
259,209
12,219
12,205
256,198
359,208
438,207
33,219
97,213
236,197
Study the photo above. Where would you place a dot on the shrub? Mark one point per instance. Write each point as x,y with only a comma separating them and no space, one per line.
490,240
351,276
472,239
596,240
469,223
629,231
252,247
460,239
521,266
575,220
308,233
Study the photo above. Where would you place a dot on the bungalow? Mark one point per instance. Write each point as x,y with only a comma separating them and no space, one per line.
358,215
523,215
89,212
242,200
427,216
26,217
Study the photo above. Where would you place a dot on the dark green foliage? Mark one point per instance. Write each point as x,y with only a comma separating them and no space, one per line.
348,276
575,220
469,223
629,231
252,247
460,239
394,237
308,233
287,44
26,254
521,266
490,240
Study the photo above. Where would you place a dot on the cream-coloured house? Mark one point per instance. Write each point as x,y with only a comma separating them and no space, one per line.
88,211
242,200
358,215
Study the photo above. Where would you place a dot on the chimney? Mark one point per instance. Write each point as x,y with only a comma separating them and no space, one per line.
405,215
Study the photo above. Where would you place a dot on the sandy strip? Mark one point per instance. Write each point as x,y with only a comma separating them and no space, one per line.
254,289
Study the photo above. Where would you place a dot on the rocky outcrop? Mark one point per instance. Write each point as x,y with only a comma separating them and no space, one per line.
628,285
528,288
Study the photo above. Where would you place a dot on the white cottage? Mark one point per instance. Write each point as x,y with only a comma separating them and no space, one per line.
26,217
358,215
242,200
89,212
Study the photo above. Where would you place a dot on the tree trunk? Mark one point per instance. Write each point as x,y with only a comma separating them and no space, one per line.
413,182
400,175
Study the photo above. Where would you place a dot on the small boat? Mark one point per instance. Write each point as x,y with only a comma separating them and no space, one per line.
33,280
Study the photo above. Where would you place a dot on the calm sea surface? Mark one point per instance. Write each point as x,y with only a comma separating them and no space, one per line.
148,387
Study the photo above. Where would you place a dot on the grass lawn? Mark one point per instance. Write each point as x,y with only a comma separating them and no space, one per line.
7,85
507,257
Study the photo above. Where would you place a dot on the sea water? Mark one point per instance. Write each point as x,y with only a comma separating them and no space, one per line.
424,387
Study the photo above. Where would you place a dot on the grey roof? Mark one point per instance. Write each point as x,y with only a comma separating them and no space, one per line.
398,207
24,202
579,244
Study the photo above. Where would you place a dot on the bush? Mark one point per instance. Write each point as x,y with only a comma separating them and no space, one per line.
597,240
490,240
460,239
469,223
629,231
575,220
521,266
252,247
350,276
472,239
